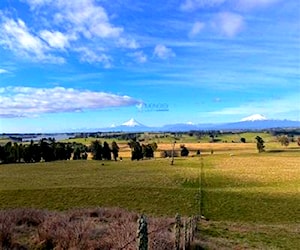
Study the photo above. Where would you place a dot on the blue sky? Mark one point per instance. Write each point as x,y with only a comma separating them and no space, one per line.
93,63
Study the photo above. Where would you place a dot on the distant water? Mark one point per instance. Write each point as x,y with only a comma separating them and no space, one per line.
38,137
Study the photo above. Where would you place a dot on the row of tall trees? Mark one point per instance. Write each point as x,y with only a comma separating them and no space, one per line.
50,150
45,149
104,152
139,151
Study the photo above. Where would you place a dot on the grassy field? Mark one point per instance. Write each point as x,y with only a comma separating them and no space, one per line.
251,200
166,138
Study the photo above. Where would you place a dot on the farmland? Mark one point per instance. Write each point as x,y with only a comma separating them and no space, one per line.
251,200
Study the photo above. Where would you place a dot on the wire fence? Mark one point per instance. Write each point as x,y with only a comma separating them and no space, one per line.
184,233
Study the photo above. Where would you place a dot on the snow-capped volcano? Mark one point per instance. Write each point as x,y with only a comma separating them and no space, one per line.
255,117
132,123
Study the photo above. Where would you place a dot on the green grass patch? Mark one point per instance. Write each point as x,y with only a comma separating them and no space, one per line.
225,235
138,186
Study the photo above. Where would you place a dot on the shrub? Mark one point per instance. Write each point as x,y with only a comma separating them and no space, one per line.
243,140
184,151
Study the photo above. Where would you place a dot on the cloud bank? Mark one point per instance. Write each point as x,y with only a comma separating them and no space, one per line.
28,102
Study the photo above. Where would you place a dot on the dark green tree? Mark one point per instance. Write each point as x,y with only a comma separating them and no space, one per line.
284,140
147,151
47,149
184,151
77,153
27,153
2,154
60,151
260,144
106,151
136,150
21,152
32,152
69,151
15,152
115,150
96,149
8,153
153,146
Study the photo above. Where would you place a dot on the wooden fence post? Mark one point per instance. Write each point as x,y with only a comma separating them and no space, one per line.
185,239
193,226
142,234
186,229
177,231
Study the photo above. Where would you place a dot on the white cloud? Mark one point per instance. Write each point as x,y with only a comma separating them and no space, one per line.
163,52
27,101
228,23
55,39
16,36
85,18
88,18
3,71
252,4
37,3
70,25
128,43
139,56
191,5
270,108
94,56
196,29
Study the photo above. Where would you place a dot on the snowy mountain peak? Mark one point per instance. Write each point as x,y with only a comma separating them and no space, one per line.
255,117
132,123
190,123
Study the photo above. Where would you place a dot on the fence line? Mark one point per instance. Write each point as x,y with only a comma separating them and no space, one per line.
201,191
149,233
189,226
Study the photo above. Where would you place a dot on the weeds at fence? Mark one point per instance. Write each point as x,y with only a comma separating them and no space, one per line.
99,228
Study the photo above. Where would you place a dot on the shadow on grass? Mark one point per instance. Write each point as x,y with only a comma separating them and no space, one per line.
251,207
148,200
275,151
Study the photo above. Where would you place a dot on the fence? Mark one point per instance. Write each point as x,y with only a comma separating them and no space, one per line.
184,233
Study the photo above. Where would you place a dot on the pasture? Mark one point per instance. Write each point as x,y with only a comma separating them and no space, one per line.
251,200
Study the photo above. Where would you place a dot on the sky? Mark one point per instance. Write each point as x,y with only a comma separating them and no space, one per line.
81,64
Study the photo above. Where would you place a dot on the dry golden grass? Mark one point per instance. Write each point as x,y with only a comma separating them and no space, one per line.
206,148
209,146
262,169
98,228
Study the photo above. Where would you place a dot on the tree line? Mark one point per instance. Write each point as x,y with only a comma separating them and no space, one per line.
49,150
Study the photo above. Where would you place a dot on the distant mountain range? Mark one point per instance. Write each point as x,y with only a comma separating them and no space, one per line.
253,122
